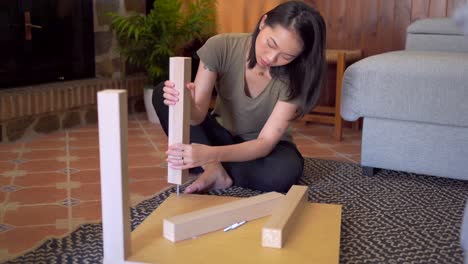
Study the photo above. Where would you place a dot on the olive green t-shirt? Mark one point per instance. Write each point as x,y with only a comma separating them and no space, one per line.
239,113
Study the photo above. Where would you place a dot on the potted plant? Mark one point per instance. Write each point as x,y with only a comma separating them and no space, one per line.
169,29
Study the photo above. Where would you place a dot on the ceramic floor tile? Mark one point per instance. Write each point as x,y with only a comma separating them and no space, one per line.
8,155
135,133
2,197
88,127
147,173
40,179
315,151
42,165
20,239
5,180
136,140
86,176
328,140
45,144
35,215
144,161
44,154
87,192
85,163
133,124
347,149
147,188
139,150
37,195
337,157
89,211
52,136
304,141
85,142
6,166
88,152
83,134
10,146
356,158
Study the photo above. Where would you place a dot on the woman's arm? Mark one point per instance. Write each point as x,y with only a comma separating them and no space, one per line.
197,155
202,90
271,133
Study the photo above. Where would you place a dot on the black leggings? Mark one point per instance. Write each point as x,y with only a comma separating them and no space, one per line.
275,172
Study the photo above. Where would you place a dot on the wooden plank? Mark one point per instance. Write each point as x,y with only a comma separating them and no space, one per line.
385,26
324,109
200,222
179,114
419,9
401,20
335,25
315,237
369,24
438,8
112,116
353,25
278,227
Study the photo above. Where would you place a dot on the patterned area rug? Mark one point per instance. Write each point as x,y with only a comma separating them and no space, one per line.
393,217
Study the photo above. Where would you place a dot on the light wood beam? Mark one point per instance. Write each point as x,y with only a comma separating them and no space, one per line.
276,230
206,220
179,114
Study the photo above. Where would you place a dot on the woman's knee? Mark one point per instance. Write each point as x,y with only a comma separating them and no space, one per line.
277,174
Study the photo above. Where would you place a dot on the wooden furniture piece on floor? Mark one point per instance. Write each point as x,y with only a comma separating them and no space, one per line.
278,227
179,114
193,224
314,238
328,114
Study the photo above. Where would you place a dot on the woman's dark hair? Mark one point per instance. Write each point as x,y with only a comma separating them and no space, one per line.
306,72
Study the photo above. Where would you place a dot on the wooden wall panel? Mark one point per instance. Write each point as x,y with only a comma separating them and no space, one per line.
376,26
438,8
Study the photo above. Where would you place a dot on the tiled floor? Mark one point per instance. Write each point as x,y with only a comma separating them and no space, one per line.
50,184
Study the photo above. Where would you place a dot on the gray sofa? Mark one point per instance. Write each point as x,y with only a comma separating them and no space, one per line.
414,103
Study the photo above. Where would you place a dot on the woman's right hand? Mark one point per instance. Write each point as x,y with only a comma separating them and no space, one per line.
171,94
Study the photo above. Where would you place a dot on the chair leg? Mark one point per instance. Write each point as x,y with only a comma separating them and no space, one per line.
368,171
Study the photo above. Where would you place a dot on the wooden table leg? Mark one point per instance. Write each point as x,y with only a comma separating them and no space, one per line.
340,67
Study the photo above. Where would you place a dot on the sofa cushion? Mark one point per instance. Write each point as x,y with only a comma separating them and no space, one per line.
420,86
436,34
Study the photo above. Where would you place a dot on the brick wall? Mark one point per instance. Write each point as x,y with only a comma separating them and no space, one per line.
32,110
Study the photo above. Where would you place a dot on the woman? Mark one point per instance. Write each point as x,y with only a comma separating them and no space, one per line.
263,81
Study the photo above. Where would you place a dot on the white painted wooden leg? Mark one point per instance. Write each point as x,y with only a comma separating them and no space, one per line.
113,118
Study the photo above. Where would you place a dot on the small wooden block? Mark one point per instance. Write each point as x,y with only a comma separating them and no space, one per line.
179,114
276,230
113,118
200,222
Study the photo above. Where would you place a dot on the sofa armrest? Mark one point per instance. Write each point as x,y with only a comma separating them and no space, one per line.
416,86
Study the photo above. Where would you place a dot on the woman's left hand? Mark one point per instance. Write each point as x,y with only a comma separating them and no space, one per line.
186,156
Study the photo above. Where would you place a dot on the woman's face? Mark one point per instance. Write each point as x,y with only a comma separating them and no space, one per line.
276,46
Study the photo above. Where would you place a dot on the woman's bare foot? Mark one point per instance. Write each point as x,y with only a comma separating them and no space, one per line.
214,177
